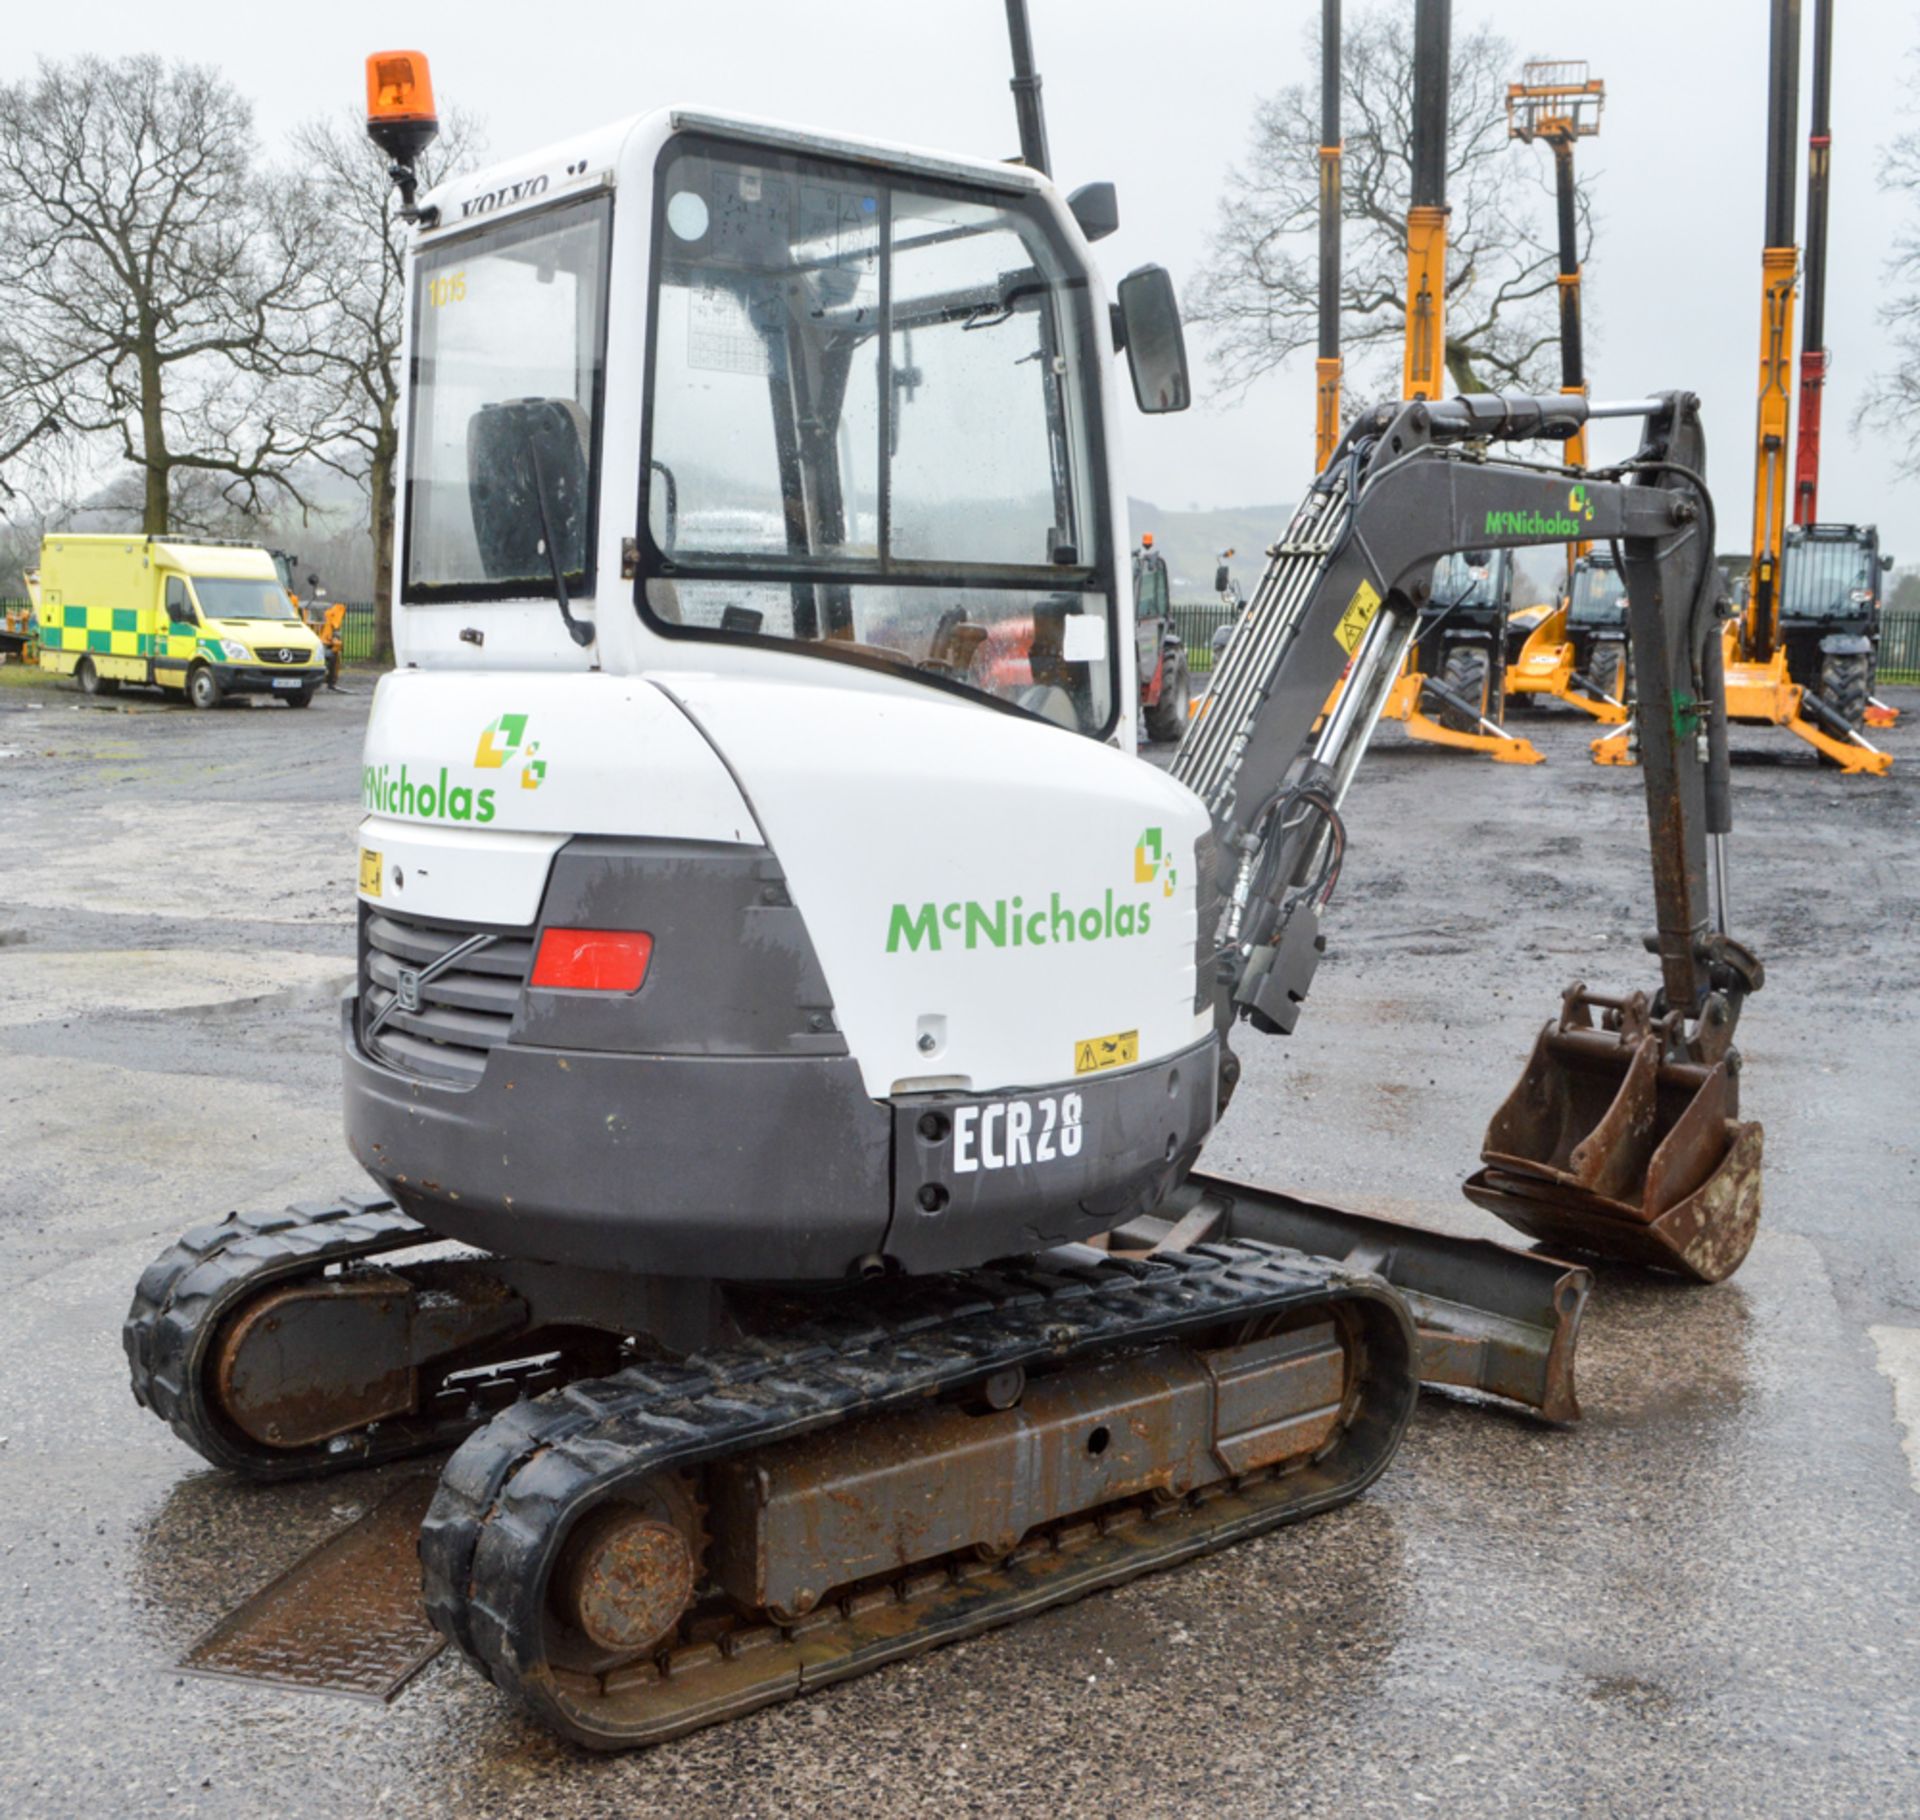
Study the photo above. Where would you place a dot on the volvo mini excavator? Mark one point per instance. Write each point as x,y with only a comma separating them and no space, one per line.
784,1045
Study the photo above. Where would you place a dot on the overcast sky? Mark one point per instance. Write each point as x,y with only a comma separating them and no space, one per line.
1158,98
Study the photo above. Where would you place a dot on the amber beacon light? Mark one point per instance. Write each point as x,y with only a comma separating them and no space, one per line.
400,116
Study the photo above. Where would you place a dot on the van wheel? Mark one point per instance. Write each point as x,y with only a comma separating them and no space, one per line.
300,698
203,687
92,682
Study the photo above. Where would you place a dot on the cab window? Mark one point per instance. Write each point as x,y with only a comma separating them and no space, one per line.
870,429
179,607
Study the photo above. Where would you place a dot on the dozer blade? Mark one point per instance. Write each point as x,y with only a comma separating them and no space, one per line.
1490,1318
1611,1149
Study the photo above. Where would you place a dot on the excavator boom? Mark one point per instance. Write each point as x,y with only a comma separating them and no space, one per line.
1577,1152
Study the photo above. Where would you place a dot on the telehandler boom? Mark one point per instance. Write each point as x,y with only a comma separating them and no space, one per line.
808,1034
1773,679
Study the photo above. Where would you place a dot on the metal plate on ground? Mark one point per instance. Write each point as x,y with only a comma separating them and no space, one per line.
344,1619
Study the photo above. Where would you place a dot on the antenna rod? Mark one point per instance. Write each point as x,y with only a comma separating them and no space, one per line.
1026,92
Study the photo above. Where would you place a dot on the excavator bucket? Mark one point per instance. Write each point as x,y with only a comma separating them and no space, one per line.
1610,1148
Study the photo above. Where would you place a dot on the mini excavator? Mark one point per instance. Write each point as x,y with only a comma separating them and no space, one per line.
785,1040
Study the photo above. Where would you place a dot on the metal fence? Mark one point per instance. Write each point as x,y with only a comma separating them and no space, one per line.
356,636
1196,622
1900,646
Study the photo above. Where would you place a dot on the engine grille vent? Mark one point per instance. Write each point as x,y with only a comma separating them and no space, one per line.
437,998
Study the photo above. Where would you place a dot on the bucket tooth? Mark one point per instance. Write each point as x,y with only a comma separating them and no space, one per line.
1616,1146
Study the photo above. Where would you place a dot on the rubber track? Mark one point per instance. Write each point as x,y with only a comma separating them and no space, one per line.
509,1494
185,1294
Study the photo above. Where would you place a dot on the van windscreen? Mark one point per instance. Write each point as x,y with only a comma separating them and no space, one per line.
232,597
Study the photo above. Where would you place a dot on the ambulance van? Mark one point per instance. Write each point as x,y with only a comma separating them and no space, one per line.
203,619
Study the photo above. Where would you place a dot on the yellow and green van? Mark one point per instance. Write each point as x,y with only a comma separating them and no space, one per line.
208,620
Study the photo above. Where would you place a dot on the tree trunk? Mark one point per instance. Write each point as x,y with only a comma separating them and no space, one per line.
155,462
1460,369
380,480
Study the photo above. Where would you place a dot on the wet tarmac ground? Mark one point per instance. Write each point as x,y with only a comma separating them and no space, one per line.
1703,1599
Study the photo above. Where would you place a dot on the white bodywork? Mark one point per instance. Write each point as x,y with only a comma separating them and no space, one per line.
879,796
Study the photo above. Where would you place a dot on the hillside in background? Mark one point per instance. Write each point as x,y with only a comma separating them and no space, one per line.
1191,541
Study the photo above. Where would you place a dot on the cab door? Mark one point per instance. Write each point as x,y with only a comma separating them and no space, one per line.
177,638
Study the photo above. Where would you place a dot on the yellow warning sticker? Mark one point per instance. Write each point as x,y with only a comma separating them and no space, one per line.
1097,1052
1357,618
370,870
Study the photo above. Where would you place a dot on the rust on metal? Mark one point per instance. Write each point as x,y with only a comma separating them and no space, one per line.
795,1520
1491,1319
345,1619
312,1360
326,1356
628,1571
1616,1144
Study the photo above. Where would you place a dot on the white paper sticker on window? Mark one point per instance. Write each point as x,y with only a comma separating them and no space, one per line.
1084,640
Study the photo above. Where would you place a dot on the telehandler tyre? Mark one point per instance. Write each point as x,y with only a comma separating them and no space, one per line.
1167,718
1845,683
1469,675
1609,670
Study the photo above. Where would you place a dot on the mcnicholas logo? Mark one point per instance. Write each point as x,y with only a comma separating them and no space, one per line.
389,792
506,739
503,743
1569,522
1011,922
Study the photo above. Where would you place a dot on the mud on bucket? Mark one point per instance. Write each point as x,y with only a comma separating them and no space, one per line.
1612,1147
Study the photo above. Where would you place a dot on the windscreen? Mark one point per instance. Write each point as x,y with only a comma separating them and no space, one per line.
868,429
222,597
1599,596
508,339
1826,577
1476,578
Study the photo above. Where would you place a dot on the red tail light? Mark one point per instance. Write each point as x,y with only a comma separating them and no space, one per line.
593,960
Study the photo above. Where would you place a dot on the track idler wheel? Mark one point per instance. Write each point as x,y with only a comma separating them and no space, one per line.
1613,1148
626,1575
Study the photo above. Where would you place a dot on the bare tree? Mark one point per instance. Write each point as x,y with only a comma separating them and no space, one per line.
159,291
1893,394
1257,288
366,310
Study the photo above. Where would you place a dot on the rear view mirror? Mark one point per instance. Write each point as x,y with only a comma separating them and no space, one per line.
1096,206
1156,348
1886,563
1220,579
